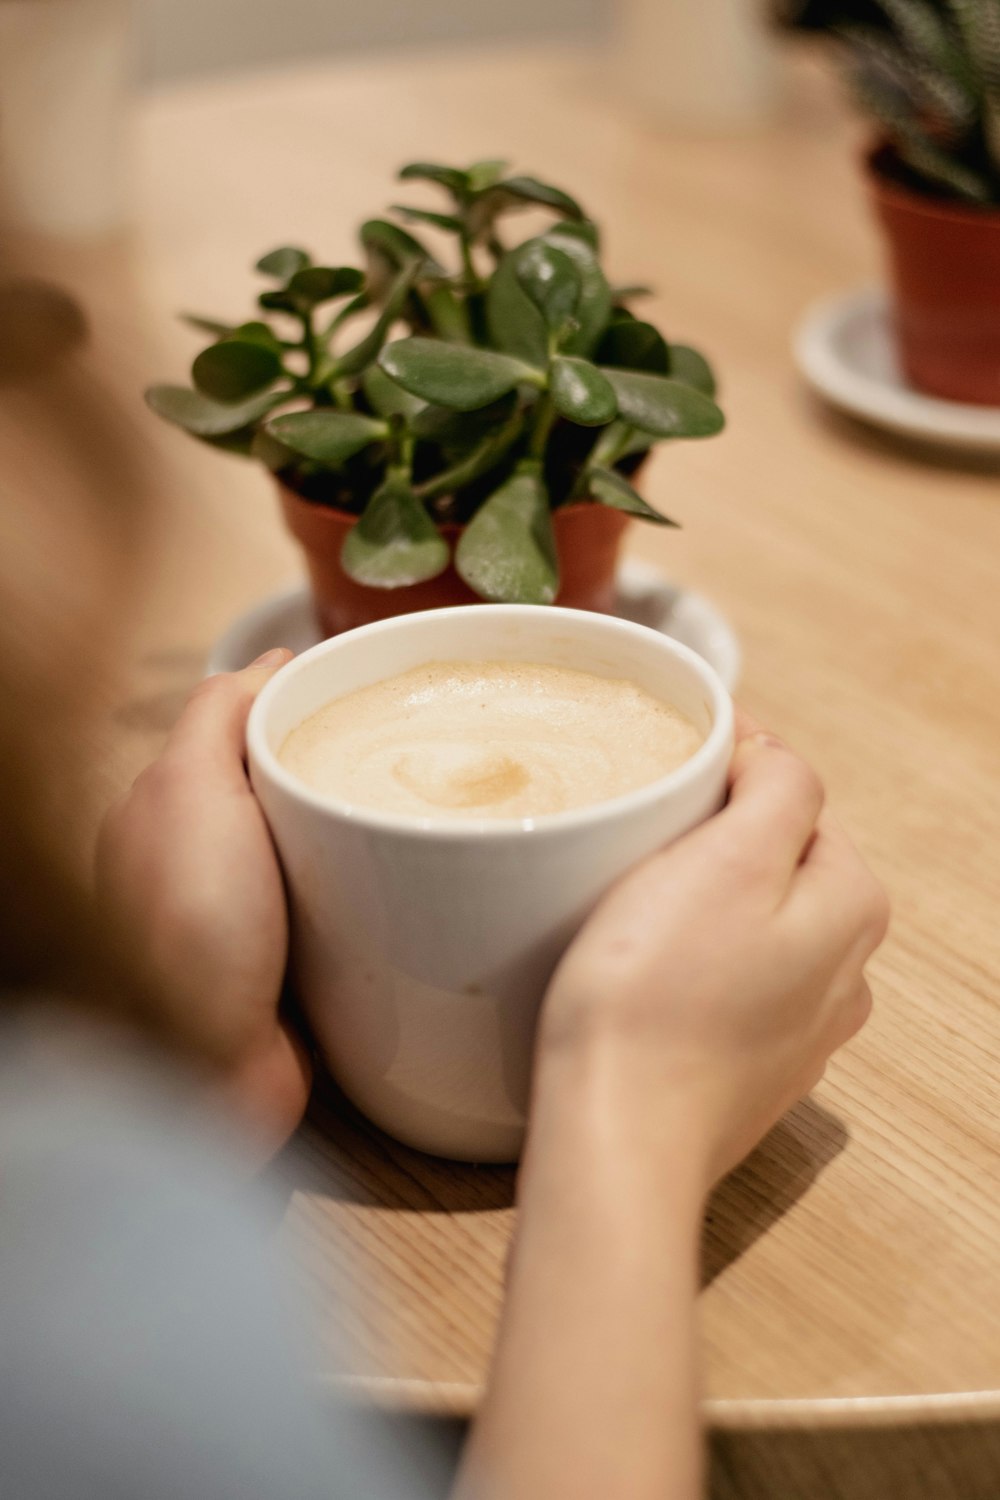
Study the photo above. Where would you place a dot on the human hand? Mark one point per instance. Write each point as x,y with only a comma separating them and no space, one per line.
187,871
712,984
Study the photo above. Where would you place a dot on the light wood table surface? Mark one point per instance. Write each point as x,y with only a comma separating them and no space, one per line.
852,1281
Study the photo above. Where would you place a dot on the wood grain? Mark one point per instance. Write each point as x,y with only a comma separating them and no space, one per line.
853,1261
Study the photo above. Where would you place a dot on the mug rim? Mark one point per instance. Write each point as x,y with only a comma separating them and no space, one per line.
262,759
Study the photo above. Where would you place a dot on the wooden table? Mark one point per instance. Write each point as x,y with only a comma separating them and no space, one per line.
852,1285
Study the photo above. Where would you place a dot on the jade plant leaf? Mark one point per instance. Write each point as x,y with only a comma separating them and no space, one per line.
390,248
579,229
613,489
593,308
205,418
456,432
550,279
277,300
266,449
315,284
485,174
430,171
454,375
329,437
507,552
362,354
629,344
426,216
387,398
235,369
394,543
514,322
207,325
258,333
666,408
530,190
283,262
693,368
581,393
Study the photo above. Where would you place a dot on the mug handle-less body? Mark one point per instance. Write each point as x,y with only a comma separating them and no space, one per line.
422,952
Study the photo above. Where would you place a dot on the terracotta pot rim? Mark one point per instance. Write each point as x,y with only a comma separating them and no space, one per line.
925,205
317,506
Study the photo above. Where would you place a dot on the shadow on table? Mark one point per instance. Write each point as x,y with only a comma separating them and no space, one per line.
339,1154
770,1182
897,445
917,1460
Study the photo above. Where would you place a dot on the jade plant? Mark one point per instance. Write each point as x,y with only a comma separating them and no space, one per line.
930,79
484,384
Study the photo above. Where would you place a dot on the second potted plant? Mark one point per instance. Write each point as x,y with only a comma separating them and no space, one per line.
442,433
930,80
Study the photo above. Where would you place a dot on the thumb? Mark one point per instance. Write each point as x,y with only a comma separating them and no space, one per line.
212,726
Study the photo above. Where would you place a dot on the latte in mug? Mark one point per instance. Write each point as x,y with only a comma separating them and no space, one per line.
490,740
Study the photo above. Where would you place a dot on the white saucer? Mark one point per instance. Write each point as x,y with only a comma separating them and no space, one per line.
644,596
845,349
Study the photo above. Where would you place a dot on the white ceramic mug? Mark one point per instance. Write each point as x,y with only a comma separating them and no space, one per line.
422,950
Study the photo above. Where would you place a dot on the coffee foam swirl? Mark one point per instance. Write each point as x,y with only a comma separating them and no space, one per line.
488,740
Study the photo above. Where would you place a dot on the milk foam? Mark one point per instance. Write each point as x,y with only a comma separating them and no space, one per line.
453,740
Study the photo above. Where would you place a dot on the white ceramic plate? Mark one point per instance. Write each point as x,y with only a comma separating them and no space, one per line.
845,349
644,596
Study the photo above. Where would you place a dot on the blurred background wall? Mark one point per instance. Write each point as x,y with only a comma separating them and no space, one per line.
185,37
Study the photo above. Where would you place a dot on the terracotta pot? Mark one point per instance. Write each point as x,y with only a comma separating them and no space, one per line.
944,260
588,539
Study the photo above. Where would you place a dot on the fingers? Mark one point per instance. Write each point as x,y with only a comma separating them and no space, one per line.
834,886
210,731
744,725
775,799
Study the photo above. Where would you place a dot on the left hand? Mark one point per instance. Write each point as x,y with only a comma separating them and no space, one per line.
187,868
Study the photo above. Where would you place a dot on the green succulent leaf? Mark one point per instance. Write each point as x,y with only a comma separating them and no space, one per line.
456,432
266,449
425,216
584,230
277,301
235,369
315,284
664,407
258,333
593,309
611,488
388,398
394,543
693,368
631,290
428,171
581,393
453,375
514,323
529,190
205,418
391,248
283,263
448,313
328,437
207,325
550,279
362,354
507,553
485,174
629,344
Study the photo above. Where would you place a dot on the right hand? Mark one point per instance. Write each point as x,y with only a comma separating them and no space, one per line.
713,982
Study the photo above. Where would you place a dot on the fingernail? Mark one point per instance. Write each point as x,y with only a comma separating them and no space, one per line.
771,740
272,658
